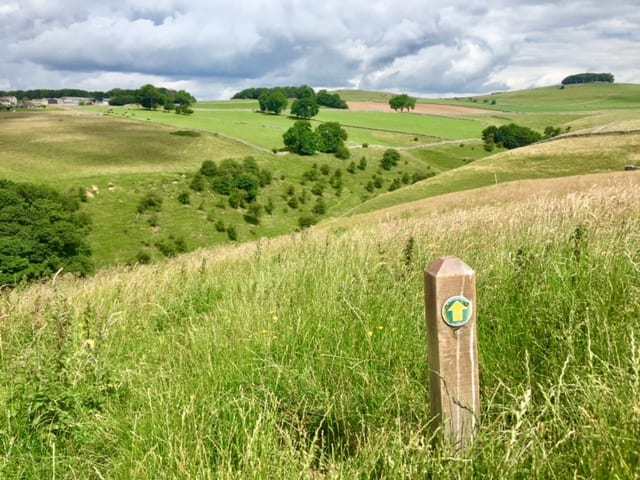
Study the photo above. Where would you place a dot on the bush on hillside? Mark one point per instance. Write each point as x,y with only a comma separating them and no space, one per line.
390,159
510,136
231,177
150,201
41,231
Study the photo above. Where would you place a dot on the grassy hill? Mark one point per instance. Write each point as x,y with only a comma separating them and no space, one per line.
558,158
305,356
572,98
126,160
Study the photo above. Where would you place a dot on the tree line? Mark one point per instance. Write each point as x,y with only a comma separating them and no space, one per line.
152,97
588,78
49,93
323,98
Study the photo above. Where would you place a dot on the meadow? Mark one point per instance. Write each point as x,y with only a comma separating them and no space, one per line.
126,159
305,355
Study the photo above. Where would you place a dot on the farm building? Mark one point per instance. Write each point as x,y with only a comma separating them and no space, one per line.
8,102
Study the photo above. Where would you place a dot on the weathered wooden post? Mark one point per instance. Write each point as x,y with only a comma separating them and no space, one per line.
450,302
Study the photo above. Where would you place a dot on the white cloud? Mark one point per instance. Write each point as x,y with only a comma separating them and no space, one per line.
215,47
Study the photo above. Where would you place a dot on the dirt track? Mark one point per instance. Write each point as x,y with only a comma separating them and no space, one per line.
421,108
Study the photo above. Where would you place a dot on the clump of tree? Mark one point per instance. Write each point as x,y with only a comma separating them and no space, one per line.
273,101
239,181
402,102
289,92
305,107
49,93
41,232
551,132
390,159
588,78
330,100
509,136
152,97
328,137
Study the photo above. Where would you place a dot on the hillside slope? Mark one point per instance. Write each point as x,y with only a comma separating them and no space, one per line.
558,158
572,98
305,355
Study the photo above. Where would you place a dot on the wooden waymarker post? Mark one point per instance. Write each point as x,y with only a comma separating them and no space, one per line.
450,303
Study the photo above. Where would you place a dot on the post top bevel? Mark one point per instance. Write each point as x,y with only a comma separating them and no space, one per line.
449,267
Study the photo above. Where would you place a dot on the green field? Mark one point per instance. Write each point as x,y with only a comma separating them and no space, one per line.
573,98
265,131
126,159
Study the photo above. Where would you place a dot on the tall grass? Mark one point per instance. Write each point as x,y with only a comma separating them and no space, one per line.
304,357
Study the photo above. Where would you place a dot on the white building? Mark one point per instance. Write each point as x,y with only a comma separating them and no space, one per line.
8,102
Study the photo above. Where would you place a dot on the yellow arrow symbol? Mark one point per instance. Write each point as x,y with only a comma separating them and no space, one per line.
457,310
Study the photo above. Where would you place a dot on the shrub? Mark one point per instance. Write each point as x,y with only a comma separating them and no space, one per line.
395,184
325,169
198,182
301,139
184,198
254,212
352,168
318,188
143,257
171,246
220,226
236,199
209,168
343,152
390,159
320,208
370,187
150,201
293,202
378,182
153,220
269,206
365,145
362,164
510,136
307,221
232,233
41,231
551,132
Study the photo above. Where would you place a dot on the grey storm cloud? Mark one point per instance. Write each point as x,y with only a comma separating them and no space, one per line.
215,47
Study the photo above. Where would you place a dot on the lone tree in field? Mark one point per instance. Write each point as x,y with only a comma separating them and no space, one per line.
41,231
150,97
400,102
301,138
305,107
274,101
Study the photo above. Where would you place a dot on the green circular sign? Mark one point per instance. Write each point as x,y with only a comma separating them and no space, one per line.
457,311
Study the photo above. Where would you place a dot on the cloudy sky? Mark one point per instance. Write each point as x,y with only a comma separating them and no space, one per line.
214,47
